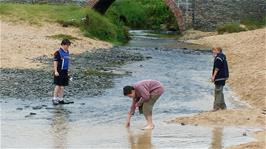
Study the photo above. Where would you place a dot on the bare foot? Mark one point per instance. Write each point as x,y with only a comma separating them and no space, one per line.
148,127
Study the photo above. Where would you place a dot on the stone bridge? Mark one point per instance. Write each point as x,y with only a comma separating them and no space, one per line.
203,15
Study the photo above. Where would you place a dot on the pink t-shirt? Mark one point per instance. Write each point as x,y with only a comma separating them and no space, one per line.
144,89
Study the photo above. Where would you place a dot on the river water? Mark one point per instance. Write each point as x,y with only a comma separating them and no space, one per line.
98,122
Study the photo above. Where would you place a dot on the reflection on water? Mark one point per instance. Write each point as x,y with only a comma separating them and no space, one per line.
60,126
217,137
141,140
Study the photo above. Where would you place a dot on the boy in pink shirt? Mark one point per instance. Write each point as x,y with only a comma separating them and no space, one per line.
144,94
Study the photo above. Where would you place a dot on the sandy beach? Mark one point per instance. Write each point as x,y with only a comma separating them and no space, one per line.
21,43
247,61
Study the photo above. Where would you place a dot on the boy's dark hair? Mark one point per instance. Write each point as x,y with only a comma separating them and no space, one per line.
127,90
65,42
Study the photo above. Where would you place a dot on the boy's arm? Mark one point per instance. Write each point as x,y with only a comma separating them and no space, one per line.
218,63
128,120
55,68
214,74
56,59
131,112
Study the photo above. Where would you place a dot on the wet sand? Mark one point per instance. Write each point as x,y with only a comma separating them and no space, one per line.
246,56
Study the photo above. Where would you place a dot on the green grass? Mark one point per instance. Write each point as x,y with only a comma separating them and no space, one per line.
248,24
230,28
253,23
95,24
123,14
37,14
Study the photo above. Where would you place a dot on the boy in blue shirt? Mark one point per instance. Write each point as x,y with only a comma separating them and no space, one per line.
61,64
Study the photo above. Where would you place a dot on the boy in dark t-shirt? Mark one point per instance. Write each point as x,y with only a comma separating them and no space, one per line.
61,64
220,74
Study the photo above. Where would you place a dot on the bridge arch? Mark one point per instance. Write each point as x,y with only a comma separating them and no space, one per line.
102,6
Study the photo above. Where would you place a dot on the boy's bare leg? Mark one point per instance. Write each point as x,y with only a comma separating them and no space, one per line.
61,93
56,92
148,118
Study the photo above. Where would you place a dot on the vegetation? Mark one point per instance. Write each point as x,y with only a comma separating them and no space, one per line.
253,23
244,25
142,14
137,14
230,28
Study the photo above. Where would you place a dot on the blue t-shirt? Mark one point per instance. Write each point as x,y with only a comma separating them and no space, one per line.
62,57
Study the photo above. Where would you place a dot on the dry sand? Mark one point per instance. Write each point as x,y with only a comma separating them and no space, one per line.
20,43
246,53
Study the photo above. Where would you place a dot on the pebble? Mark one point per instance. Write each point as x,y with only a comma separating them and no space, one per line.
19,108
32,113
37,107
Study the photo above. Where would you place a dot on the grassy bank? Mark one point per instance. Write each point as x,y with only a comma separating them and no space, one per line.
113,27
90,22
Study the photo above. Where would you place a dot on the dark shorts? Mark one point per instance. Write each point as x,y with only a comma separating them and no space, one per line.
62,79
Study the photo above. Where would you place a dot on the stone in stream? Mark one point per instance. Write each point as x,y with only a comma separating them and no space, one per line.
37,107
49,108
26,106
19,109
32,113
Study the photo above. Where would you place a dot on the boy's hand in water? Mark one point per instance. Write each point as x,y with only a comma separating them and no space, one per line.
128,120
